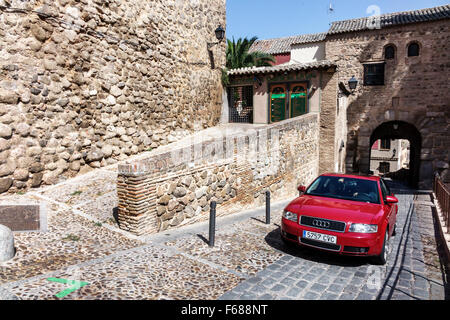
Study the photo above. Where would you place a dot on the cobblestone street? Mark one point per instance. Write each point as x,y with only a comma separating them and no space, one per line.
308,274
249,260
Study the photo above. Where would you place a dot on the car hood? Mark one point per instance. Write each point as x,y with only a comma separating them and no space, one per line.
335,209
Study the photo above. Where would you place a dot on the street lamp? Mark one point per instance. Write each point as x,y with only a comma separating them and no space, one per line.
352,83
220,35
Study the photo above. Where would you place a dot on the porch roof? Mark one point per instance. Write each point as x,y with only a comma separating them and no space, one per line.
283,68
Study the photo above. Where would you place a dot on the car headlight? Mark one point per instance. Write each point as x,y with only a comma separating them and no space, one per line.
363,228
290,216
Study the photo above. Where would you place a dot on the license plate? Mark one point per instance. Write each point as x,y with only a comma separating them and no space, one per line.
319,237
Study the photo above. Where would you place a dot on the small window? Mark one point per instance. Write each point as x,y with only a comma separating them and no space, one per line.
384,167
413,50
385,144
374,74
389,52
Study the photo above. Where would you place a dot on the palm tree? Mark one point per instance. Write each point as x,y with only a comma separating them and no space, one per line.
238,56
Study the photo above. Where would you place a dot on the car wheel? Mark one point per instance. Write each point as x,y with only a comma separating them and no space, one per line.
382,258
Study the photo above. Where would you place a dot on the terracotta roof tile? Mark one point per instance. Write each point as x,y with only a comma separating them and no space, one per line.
283,45
391,19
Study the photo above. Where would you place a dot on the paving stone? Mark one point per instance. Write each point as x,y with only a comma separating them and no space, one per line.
328,296
421,294
230,295
309,277
302,284
317,287
241,266
293,292
325,280
311,296
266,296
365,296
248,296
278,288
254,280
335,288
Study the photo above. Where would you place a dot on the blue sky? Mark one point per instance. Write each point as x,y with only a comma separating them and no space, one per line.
281,18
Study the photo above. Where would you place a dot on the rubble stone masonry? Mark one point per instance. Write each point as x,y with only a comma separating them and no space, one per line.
85,83
175,188
416,90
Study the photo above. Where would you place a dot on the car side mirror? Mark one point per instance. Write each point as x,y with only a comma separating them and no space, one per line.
301,189
391,199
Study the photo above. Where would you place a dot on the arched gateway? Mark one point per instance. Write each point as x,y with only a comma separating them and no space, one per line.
396,130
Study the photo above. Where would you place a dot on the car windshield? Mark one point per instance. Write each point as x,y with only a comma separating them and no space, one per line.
345,188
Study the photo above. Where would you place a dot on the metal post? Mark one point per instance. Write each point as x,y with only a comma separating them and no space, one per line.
267,207
212,224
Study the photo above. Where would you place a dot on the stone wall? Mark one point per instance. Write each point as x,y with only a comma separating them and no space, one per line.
416,90
84,83
176,187
328,116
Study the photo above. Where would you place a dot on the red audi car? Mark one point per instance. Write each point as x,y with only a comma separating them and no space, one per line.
346,214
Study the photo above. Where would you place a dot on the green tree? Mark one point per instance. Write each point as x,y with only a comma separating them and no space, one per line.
238,56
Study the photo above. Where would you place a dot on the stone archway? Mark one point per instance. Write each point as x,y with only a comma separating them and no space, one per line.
396,130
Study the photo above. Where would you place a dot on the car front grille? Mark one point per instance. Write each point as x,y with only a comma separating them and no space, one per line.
323,224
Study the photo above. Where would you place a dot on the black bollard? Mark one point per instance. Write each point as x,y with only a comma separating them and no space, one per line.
212,223
267,207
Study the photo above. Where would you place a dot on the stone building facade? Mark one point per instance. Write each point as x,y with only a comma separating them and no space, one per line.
414,98
389,156
320,93
401,63
86,83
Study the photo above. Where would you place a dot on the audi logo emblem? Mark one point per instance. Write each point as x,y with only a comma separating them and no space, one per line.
321,224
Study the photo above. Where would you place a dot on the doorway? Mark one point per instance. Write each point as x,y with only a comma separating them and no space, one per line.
395,148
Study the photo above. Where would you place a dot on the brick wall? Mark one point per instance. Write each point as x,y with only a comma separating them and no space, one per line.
176,187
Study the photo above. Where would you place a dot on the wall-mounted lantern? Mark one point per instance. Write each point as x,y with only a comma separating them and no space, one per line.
220,35
352,83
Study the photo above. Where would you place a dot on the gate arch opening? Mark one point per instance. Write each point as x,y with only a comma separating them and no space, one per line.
400,130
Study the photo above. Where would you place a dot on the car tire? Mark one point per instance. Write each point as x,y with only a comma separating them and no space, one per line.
382,258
